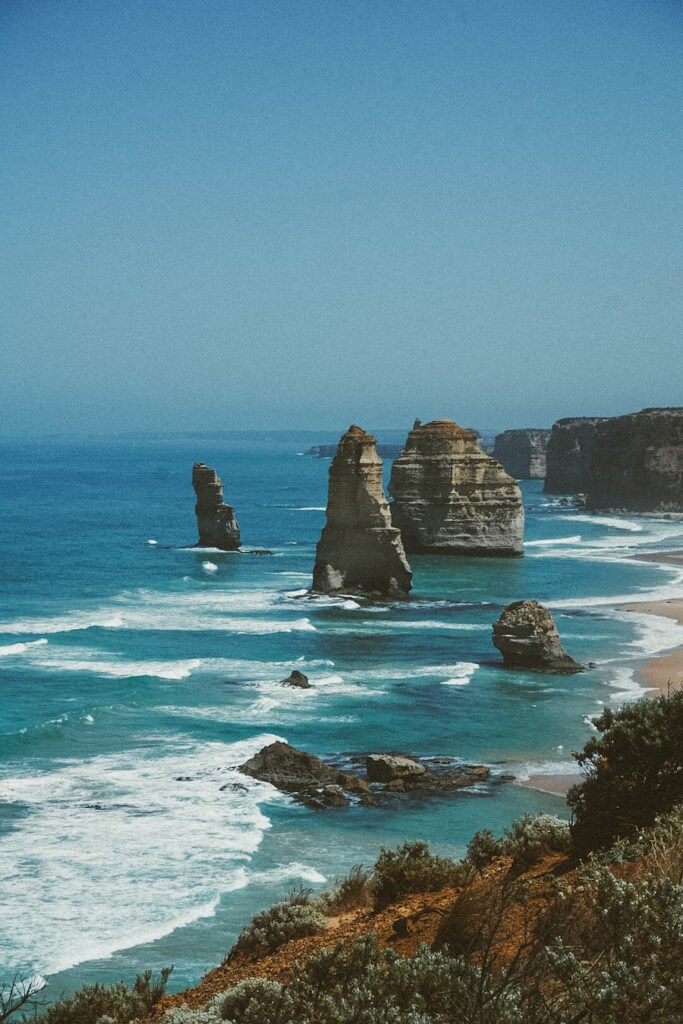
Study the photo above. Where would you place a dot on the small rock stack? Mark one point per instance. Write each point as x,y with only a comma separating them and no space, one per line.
527,637
216,522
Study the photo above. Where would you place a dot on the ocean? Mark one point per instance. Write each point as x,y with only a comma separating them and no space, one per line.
138,672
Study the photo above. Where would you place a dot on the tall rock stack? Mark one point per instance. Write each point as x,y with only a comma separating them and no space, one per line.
569,453
452,498
359,550
521,453
637,463
216,522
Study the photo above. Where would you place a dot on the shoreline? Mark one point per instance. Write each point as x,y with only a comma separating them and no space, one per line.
658,675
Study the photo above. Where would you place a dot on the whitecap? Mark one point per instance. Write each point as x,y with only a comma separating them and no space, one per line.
209,567
152,541
21,648
182,836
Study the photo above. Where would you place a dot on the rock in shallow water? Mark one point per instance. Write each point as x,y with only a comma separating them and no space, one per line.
527,637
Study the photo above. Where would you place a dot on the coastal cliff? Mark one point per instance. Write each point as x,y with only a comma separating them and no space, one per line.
637,463
359,550
568,455
216,521
452,498
521,453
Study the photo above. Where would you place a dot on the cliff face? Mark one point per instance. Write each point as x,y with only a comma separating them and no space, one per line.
521,453
359,550
451,498
216,522
637,463
568,455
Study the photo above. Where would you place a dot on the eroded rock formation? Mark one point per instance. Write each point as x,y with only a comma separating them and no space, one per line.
216,522
304,775
452,498
527,637
359,550
568,455
637,463
317,784
521,453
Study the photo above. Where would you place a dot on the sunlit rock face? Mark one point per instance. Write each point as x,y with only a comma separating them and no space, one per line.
359,551
569,453
451,498
216,522
521,453
527,637
637,463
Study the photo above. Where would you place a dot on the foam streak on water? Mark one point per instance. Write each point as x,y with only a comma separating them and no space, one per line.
132,846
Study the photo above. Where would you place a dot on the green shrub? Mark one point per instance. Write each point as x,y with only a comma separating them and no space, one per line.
184,1015
350,893
525,841
254,1001
108,1003
618,958
633,772
296,918
409,869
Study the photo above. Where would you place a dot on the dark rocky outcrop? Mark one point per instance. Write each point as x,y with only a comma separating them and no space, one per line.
637,463
359,550
298,679
569,453
319,785
521,453
216,522
527,637
452,498
305,776
404,774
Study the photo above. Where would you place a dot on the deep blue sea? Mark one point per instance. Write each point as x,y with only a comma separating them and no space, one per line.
137,672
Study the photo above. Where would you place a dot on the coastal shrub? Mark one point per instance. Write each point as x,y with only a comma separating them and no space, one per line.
295,918
108,1004
350,893
254,1001
617,956
527,839
184,1015
633,772
412,868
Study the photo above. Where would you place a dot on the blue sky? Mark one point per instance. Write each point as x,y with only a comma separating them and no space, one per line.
222,215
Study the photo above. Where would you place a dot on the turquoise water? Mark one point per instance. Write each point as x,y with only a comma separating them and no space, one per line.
137,673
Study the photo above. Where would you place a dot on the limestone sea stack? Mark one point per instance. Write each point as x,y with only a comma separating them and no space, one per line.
527,637
521,453
452,498
637,463
216,522
359,550
569,453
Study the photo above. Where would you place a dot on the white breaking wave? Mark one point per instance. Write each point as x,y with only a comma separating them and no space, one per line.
165,836
21,648
209,567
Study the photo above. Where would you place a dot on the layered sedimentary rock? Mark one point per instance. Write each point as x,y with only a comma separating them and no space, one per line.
637,463
568,455
521,453
451,498
527,637
216,522
359,550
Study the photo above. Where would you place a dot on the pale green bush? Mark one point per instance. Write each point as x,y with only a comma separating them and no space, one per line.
279,924
412,868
